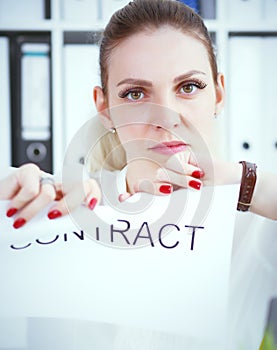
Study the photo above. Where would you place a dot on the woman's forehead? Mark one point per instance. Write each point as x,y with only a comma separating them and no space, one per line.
165,48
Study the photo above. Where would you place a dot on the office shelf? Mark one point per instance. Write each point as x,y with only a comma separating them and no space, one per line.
260,22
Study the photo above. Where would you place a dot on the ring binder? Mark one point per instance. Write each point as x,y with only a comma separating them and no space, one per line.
31,100
5,137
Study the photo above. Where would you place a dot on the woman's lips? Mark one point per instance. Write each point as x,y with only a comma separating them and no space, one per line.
169,148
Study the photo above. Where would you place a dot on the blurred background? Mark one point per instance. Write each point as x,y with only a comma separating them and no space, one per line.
49,66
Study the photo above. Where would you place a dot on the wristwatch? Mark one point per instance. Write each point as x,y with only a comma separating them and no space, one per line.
248,182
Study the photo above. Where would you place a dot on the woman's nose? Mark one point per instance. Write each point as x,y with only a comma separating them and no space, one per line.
162,117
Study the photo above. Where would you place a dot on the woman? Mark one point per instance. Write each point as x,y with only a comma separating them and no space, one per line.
153,53
160,95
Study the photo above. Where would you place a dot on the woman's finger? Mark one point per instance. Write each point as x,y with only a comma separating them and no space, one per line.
185,168
124,196
8,187
153,187
46,195
20,187
87,193
181,180
163,181
147,186
26,178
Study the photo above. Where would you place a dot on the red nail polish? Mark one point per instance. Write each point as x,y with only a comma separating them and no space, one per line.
198,174
19,223
195,184
11,212
59,195
166,189
92,203
54,214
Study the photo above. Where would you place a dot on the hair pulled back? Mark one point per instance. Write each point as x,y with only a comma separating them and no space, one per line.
140,15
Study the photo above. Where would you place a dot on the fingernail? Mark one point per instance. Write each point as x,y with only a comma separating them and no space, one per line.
195,184
19,223
166,189
198,174
54,214
11,212
92,203
59,195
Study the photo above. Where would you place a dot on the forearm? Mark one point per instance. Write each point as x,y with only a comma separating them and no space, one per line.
264,200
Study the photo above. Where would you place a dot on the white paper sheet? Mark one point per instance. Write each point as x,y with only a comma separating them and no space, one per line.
54,269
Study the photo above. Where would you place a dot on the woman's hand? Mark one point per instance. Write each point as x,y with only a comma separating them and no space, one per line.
147,176
177,173
28,194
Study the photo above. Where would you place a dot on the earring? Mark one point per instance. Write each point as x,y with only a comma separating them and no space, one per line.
215,115
112,130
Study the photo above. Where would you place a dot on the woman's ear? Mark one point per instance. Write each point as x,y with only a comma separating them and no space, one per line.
220,93
102,107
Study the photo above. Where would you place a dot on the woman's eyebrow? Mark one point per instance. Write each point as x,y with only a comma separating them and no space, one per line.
135,82
148,83
187,75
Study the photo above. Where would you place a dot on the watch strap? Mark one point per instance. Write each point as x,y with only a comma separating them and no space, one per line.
248,181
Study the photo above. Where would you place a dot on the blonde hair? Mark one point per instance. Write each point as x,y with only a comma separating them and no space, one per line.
106,150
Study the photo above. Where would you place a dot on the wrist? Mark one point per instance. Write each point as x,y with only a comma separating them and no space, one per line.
225,173
247,187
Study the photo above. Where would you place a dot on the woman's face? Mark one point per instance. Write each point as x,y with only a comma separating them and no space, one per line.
161,96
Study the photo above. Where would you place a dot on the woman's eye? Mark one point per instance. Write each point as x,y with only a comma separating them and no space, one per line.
132,94
188,88
135,95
